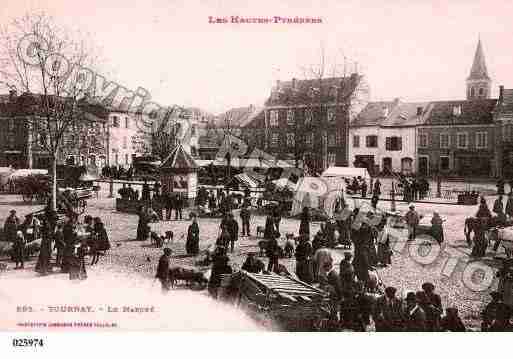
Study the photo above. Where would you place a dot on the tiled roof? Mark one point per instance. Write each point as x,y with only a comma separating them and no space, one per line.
236,117
405,114
373,114
179,159
301,91
472,112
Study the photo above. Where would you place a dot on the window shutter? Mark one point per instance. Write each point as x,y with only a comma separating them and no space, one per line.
400,143
388,144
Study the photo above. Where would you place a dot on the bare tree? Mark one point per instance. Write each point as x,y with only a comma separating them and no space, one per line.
335,93
45,62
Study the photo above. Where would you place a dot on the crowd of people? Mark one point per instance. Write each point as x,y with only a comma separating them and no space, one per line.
70,240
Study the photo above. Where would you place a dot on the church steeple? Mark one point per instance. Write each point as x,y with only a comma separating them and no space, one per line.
478,81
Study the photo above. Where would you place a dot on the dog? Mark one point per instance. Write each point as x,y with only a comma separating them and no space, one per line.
260,230
159,241
189,276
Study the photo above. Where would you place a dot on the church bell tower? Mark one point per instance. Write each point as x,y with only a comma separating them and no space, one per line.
479,84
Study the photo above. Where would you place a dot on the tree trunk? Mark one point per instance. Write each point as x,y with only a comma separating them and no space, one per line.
54,182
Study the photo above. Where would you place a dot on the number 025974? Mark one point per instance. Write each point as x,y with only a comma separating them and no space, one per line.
27,342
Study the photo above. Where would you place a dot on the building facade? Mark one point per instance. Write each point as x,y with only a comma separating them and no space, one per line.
504,134
383,137
307,121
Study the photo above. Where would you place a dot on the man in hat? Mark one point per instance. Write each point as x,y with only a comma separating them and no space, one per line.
491,311
434,309
245,216
412,220
389,314
414,315
11,226
163,270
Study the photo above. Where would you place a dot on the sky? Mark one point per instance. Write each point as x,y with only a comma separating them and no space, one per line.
416,50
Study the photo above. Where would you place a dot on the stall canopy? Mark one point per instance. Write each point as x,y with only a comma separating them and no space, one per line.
27,172
247,180
319,193
346,172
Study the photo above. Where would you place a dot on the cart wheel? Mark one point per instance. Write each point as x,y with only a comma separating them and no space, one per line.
27,197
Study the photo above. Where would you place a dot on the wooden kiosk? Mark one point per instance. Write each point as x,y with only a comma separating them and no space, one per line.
179,174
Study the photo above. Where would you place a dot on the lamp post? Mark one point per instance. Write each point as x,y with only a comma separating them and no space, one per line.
392,195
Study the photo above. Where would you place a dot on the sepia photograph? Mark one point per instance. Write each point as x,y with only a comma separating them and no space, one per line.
255,166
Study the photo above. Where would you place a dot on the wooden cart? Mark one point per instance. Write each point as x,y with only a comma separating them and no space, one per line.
281,303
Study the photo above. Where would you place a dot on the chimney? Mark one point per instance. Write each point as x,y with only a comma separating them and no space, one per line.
293,83
385,111
12,95
419,111
501,94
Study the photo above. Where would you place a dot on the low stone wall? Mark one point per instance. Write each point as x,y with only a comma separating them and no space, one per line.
128,206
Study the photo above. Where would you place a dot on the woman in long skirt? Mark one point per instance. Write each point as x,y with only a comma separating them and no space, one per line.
192,244
43,265
384,252
436,228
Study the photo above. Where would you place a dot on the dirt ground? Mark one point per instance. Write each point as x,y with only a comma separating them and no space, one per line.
462,283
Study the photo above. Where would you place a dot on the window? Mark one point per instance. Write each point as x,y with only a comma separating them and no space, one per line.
11,124
331,115
481,140
290,117
115,121
308,116
472,92
456,110
331,139
309,139
116,159
444,163
462,140
394,144
338,137
332,158
127,122
356,141
275,138
291,141
273,120
193,130
126,158
371,141
125,142
481,91
444,140
11,141
423,140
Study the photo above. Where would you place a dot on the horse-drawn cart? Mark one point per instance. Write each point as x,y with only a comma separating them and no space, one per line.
281,302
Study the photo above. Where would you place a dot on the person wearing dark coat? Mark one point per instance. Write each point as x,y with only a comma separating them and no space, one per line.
272,252
18,250
252,264
163,267
452,322
11,226
361,260
269,228
220,266
500,186
70,237
192,244
303,255
143,230
389,312
433,307
43,265
480,244
304,225
493,311
59,245
364,189
245,216
101,242
483,211
509,206
145,192
414,315
233,228
498,207
77,269
179,204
